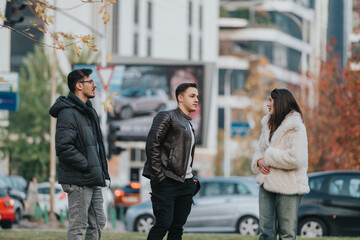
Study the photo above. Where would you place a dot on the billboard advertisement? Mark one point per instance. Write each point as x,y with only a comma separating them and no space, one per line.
9,91
138,92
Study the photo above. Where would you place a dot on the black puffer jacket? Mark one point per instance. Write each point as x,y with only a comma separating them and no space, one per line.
168,146
79,145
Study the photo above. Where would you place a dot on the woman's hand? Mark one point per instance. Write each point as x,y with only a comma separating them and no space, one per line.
263,168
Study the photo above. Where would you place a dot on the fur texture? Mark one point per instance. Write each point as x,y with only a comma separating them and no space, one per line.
286,155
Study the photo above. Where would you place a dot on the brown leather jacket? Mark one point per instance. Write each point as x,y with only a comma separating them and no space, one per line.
168,146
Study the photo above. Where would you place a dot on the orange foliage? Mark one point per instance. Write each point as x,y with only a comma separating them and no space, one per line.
334,125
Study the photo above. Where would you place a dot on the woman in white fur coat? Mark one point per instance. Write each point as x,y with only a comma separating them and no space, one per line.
280,162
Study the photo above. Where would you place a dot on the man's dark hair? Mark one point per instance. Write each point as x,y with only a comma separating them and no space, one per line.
76,75
182,88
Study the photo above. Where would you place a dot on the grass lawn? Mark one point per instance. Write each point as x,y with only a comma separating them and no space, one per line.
61,235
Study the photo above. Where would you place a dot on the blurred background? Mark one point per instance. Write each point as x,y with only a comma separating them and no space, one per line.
237,51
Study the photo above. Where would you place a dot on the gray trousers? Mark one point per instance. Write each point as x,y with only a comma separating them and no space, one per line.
86,212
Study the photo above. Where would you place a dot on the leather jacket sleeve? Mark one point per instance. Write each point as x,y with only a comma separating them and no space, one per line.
157,134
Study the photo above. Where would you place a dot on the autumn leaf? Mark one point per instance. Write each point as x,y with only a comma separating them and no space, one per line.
103,7
3,18
41,29
78,48
106,17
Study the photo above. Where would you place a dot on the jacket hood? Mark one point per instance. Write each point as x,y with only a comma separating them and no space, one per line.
71,101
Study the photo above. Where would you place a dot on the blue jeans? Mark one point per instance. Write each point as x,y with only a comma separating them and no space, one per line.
278,215
86,212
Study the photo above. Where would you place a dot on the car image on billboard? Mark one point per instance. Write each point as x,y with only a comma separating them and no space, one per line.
138,92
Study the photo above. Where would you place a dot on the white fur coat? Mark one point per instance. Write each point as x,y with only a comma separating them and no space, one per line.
286,155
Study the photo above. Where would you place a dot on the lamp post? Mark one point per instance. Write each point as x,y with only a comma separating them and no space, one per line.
227,123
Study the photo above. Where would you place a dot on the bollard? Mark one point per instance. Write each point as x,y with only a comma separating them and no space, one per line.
113,217
61,217
37,212
67,213
45,215
121,214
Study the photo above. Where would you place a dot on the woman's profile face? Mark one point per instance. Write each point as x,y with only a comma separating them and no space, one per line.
270,105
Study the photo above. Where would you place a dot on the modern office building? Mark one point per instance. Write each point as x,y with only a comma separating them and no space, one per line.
285,40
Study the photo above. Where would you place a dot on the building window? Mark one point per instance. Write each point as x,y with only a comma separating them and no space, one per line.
237,80
136,44
149,47
221,116
149,15
189,47
137,155
136,11
200,17
190,13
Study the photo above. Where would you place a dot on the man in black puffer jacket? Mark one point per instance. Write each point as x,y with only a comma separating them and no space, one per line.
170,152
83,167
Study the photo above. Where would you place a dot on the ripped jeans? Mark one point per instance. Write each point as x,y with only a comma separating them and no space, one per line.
171,202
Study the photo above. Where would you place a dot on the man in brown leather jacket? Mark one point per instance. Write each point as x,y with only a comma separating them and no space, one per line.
170,152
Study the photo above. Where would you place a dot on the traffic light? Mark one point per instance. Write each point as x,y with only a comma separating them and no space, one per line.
111,137
15,12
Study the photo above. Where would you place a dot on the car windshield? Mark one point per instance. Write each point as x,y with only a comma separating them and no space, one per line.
2,193
130,92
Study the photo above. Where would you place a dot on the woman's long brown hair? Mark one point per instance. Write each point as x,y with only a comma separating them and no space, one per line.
284,103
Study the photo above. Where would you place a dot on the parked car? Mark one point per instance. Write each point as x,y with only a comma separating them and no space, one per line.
222,205
14,187
18,182
60,198
333,205
127,196
137,100
7,212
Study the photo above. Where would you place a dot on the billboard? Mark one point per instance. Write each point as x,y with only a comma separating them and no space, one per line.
9,95
140,91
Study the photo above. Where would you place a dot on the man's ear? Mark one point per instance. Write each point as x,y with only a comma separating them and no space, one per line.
180,98
78,86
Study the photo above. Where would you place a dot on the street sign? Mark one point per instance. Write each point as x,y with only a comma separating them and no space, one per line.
240,128
105,75
9,86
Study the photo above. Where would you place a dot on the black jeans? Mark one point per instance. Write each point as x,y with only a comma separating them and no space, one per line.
171,201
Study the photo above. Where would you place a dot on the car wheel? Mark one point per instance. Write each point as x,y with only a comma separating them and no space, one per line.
312,227
144,223
18,215
126,113
248,226
6,224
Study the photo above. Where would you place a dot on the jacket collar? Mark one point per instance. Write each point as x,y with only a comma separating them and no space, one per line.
292,121
183,114
75,99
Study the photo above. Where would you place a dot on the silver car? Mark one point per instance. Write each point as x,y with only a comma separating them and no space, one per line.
137,100
222,205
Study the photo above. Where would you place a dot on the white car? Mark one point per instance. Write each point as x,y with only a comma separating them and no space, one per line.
60,198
